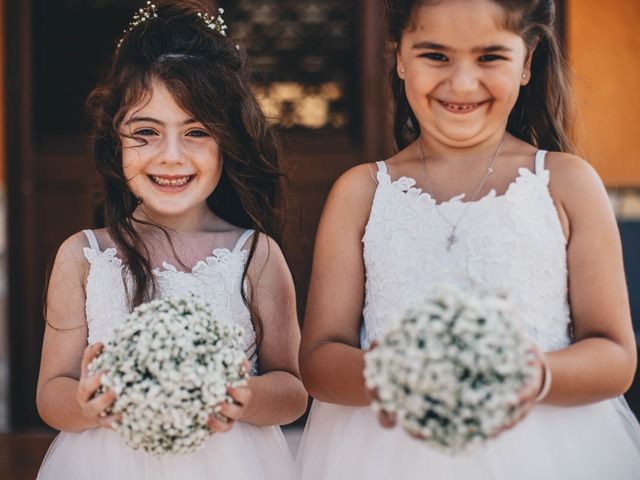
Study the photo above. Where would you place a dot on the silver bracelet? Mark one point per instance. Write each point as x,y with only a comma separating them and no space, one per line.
546,383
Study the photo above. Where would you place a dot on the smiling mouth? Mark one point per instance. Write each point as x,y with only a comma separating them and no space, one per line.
461,107
167,181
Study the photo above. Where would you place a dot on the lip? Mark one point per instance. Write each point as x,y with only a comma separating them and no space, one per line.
461,108
171,183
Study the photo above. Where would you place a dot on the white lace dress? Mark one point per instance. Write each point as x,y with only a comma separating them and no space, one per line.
246,452
512,243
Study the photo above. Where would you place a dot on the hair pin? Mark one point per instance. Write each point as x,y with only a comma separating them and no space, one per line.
215,23
142,15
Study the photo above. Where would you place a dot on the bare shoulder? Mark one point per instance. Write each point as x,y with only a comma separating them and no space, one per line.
267,250
358,181
268,268
66,286
350,198
70,256
574,182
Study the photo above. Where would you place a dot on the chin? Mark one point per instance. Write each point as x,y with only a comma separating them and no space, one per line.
165,211
460,137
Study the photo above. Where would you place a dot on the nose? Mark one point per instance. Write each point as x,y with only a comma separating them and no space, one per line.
172,152
464,78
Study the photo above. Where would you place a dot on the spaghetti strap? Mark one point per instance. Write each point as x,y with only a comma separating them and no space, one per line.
93,241
241,241
382,167
540,157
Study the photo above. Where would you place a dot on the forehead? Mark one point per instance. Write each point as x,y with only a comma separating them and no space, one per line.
461,23
158,102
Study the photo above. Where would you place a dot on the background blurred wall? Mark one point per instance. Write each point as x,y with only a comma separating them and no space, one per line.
604,49
4,356
3,126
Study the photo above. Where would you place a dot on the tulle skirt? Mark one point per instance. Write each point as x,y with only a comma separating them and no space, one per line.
246,452
600,441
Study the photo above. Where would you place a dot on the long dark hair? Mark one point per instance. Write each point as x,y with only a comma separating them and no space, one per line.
543,113
208,77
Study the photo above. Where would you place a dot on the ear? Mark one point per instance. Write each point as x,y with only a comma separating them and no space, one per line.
526,69
400,69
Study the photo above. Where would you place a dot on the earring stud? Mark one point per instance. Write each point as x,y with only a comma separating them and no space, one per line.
402,70
524,75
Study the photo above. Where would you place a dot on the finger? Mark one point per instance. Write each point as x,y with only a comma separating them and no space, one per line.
229,410
532,388
88,386
525,411
372,394
241,395
98,405
89,354
217,425
528,393
246,366
110,421
387,419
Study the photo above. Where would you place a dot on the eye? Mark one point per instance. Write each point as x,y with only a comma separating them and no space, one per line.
491,58
144,132
436,57
198,133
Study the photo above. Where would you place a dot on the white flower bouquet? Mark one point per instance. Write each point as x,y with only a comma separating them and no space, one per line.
169,364
451,368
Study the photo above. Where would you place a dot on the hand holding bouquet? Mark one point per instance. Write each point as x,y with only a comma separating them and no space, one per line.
168,365
453,368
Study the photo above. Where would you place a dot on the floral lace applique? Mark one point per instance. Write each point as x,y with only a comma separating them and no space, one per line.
216,279
512,243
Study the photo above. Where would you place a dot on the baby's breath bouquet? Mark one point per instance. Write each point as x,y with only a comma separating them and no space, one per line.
451,368
169,364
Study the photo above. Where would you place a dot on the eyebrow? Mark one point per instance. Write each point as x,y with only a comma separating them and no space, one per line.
158,122
444,48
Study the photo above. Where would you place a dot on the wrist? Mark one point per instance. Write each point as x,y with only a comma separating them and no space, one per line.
546,381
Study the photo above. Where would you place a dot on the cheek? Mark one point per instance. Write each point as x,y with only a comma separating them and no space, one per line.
131,169
506,84
217,173
211,171
419,83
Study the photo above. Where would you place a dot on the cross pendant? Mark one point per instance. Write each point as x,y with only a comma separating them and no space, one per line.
451,239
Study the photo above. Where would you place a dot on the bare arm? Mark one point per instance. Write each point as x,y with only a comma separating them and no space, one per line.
331,361
602,361
276,396
60,401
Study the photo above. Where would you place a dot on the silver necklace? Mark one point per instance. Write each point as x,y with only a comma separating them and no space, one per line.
453,238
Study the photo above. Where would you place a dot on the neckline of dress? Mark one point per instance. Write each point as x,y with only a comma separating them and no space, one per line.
217,257
405,185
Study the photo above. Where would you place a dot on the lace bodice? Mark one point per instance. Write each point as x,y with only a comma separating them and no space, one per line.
511,243
215,279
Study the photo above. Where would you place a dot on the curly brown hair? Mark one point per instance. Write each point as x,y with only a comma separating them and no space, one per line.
208,77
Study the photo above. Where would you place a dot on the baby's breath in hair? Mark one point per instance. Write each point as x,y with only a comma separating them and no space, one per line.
215,23
142,15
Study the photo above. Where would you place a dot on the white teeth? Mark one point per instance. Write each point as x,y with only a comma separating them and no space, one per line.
173,182
459,107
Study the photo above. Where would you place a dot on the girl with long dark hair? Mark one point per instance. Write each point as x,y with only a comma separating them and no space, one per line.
191,184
